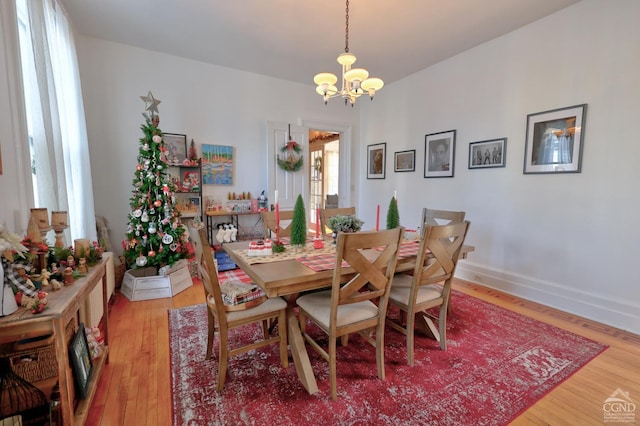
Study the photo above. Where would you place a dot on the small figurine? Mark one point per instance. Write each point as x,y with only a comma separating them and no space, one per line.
54,268
71,263
46,275
68,276
82,268
55,284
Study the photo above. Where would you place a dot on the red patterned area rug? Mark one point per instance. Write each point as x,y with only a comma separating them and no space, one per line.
498,363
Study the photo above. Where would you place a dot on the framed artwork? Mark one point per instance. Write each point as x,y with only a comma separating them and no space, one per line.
439,154
217,164
488,154
81,361
404,161
554,140
190,180
176,145
376,160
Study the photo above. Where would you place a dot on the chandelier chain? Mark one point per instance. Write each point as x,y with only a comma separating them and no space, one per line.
346,31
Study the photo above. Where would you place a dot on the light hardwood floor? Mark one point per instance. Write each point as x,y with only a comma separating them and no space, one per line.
135,387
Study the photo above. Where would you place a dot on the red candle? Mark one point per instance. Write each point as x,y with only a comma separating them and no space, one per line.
378,218
317,223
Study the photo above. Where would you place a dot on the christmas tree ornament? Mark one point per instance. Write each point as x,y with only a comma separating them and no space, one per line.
157,203
152,228
137,213
167,239
144,217
139,167
151,253
156,138
145,147
141,260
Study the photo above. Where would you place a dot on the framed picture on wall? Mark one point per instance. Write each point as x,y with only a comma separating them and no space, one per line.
217,164
81,361
176,145
439,154
404,161
487,154
554,140
376,160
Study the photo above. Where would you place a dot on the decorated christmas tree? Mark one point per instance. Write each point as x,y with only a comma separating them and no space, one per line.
299,224
154,236
393,216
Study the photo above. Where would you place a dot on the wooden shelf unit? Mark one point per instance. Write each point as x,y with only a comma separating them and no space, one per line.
64,306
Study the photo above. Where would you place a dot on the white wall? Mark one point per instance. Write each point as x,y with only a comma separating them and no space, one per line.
211,104
566,240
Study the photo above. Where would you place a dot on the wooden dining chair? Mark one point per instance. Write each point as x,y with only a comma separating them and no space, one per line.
269,223
440,217
222,319
414,293
326,214
360,304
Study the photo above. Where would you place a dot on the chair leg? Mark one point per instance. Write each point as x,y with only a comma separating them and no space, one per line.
211,334
442,326
223,357
411,318
333,369
265,329
380,349
282,331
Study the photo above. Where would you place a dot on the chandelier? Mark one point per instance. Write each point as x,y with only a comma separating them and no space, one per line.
355,81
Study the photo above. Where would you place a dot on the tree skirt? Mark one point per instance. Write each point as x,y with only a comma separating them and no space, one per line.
498,363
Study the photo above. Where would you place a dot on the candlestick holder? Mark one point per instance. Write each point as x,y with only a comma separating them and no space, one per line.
59,230
43,234
318,243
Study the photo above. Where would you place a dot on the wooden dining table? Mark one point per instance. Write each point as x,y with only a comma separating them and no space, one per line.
304,269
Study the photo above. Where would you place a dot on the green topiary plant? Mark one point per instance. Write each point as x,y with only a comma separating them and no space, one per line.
299,224
393,216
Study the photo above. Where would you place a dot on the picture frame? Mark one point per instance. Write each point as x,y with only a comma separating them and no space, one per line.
217,165
404,161
376,160
554,140
190,180
488,153
176,145
439,154
81,361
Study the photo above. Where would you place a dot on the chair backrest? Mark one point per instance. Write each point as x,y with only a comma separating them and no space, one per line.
269,223
331,201
208,271
372,256
435,217
326,214
439,252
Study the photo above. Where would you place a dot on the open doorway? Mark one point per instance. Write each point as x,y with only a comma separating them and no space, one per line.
324,176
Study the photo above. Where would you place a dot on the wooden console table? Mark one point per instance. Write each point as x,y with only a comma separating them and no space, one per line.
63,306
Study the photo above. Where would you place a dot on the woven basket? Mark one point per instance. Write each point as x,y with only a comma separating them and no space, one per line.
35,364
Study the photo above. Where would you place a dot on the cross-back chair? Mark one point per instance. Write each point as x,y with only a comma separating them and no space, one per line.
360,304
269,223
223,320
440,217
326,214
414,293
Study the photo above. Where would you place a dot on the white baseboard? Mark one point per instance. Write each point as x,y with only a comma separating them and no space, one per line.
596,307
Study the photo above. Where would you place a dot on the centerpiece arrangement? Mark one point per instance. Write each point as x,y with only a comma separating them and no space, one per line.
344,223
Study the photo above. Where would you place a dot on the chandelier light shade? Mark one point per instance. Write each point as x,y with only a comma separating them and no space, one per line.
355,81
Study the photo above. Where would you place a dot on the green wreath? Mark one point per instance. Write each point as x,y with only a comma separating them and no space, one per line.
291,162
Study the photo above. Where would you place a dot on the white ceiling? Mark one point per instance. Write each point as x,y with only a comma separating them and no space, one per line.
295,39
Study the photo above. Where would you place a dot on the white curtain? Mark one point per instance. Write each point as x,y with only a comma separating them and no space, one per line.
55,115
